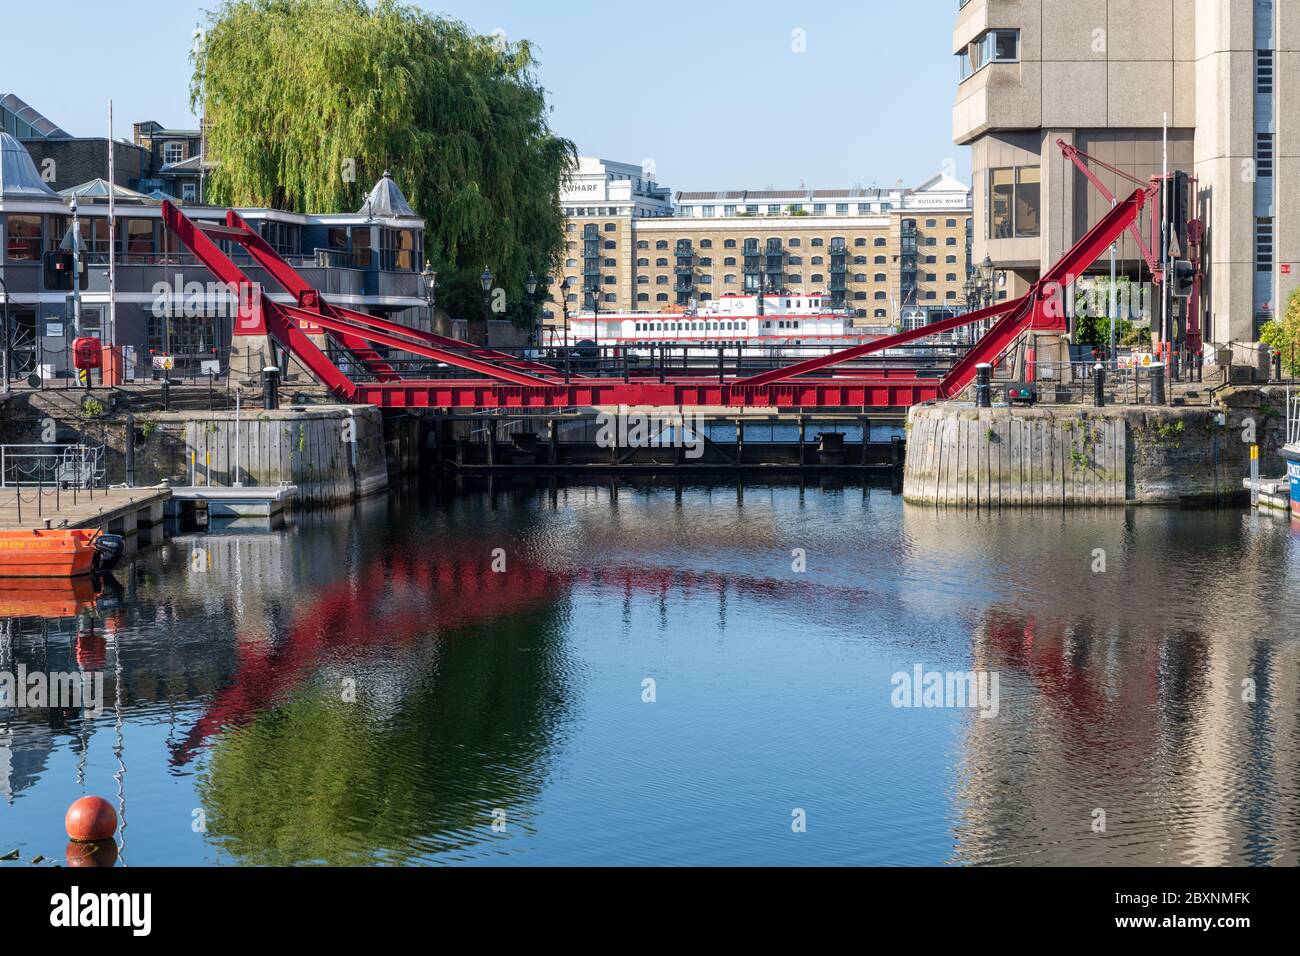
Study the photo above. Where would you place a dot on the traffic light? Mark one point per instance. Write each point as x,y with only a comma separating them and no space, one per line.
58,271
1183,278
1180,209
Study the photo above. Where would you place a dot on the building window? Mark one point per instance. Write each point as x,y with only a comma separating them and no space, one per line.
706,212
841,209
794,242
1263,71
23,238
1264,154
1013,202
881,260
661,244
729,244
880,241
173,152
1264,245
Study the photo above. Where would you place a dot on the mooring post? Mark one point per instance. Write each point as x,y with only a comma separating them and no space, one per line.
983,385
271,387
551,440
1099,385
722,376
802,427
740,440
1157,383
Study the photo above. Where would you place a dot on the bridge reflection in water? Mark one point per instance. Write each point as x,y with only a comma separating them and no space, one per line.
365,687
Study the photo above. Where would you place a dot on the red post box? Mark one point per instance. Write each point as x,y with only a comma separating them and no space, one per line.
87,353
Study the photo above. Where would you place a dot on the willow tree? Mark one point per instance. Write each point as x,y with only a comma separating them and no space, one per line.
308,102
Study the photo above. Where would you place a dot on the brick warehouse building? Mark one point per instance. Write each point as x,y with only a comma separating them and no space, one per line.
883,253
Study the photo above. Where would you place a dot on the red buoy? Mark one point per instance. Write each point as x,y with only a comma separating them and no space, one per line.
90,820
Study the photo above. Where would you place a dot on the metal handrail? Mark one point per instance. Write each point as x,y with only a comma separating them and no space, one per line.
61,466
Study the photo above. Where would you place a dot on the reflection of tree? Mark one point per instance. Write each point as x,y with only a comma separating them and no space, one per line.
315,779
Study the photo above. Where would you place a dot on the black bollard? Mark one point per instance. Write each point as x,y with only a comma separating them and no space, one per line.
1157,383
1099,385
271,387
166,394
983,385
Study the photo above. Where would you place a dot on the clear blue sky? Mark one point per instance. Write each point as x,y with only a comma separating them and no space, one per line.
711,90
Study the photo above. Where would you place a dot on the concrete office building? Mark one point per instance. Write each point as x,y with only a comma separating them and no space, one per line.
1103,75
888,254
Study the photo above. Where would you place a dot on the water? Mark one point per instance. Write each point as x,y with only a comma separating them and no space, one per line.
363,688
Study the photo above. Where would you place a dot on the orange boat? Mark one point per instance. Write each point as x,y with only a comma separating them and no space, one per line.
47,553
43,597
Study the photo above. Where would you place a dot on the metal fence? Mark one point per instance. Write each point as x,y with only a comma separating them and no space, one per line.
69,467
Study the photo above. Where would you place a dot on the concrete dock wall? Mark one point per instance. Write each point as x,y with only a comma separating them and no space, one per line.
1064,456
331,453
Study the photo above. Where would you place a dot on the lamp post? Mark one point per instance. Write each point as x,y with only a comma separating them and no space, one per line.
5,343
76,271
485,280
986,281
430,278
530,285
564,303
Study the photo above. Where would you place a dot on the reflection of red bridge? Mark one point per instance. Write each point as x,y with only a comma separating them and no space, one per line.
494,379
1040,652
399,602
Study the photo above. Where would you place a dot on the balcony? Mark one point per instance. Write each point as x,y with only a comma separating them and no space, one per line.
684,269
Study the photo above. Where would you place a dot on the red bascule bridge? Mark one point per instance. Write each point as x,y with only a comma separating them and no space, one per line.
351,353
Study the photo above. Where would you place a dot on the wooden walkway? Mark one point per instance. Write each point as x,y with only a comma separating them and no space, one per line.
116,510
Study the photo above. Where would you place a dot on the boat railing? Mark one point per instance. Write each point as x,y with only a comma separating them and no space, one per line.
53,465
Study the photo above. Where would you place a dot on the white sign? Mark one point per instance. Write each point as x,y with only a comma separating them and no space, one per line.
210,367
1136,360
54,330
163,363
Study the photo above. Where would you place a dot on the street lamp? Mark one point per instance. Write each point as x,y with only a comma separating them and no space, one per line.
530,286
430,278
485,280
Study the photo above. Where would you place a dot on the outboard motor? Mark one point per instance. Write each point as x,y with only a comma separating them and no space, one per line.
109,549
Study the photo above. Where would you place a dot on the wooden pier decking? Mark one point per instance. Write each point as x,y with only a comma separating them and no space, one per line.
115,510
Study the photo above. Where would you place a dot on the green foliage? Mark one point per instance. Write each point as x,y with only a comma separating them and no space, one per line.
92,407
1092,314
1283,335
298,93
148,427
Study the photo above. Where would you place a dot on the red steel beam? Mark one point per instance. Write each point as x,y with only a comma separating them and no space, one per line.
891,341
238,230
273,318
802,393
450,356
